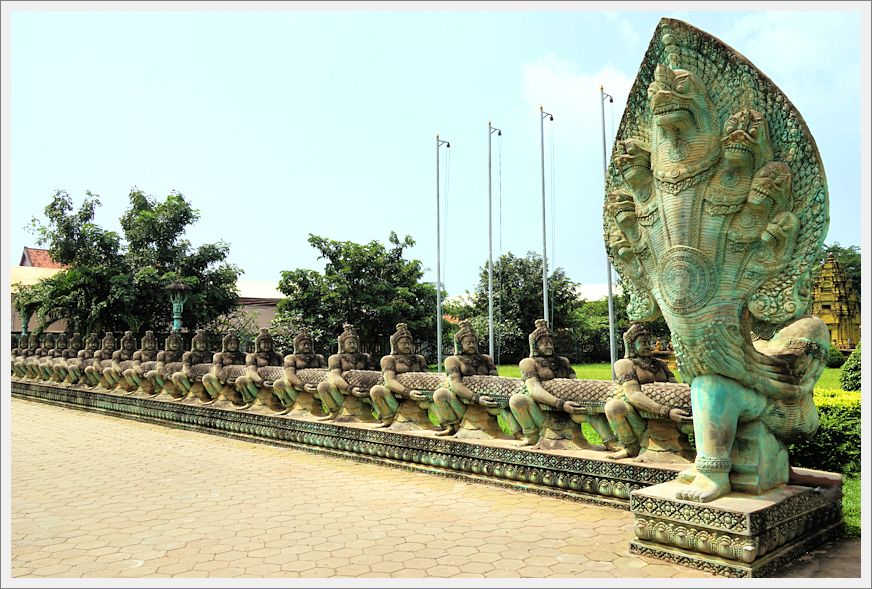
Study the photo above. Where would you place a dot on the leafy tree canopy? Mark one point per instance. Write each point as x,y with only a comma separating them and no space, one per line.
369,285
114,282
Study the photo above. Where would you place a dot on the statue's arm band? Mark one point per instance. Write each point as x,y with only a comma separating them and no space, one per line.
627,377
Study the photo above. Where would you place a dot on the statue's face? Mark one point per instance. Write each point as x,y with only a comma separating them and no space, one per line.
770,186
130,345
174,344
677,99
305,346
351,344
200,345
233,345
92,345
149,344
266,345
643,345
404,345
109,346
545,345
469,344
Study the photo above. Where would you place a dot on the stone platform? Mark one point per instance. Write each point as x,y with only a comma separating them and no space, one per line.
582,475
737,535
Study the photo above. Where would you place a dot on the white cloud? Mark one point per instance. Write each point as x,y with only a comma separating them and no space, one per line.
628,32
574,96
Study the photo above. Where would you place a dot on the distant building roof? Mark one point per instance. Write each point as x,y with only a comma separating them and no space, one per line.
38,258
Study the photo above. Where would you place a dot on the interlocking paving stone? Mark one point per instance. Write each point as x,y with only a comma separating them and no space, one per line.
128,499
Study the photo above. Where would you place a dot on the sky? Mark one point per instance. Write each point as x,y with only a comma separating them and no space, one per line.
280,123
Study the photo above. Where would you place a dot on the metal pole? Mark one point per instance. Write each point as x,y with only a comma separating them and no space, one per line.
544,247
438,269
612,342
490,248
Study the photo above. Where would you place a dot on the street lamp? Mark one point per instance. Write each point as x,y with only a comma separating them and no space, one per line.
612,342
178,297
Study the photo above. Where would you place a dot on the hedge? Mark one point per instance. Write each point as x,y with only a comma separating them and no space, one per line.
836,445
850,378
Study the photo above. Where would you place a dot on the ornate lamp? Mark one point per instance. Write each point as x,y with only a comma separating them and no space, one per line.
178,297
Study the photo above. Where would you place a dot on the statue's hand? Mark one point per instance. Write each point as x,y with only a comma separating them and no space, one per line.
267,383
309,388
357,392
576,408
417,395
680,416
487,401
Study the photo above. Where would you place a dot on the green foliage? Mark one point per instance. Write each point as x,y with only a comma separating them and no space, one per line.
850,379
851,506
368,285
836,445
835,358
243,323
518,303
115,284
849,260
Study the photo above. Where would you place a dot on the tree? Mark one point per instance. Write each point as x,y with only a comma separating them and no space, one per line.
369,285
849,259
518,303
113,283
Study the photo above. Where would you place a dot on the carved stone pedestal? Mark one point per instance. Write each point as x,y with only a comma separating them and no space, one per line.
559,432
306,406
737,535
665,443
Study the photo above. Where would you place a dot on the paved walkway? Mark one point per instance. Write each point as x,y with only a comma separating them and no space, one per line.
97,496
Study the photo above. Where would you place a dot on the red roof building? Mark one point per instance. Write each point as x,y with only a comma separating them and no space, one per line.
38,258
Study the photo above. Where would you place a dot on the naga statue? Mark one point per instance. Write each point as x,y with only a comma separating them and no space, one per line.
122,359
159,378
541,367
144,359
333,390
715,212
288,388
402,359
195,364
220,376
257,373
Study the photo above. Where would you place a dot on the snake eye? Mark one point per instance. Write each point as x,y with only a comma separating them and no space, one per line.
681,87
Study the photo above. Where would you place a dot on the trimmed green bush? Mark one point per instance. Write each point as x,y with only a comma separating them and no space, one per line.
835,358
836,445
850,379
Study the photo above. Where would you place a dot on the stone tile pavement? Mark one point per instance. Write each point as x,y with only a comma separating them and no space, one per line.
98,496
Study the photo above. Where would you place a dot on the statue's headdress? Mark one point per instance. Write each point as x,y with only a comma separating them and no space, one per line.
401,332
464,331
347,332
263,337
227,340
173,337
149,339
128,341
540,332
92,342
631,335
200,337
303,335
108,342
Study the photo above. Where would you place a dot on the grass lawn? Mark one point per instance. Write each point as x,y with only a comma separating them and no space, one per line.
851,506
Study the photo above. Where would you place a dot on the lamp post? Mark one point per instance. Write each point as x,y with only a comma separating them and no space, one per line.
178,297
25,319
612,342
490,246
439,143
542,115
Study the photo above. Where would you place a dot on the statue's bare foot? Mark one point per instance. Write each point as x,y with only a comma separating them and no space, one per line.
531,439
627,451
707,486
449,430
209,400
622,453
246,406
286,410
386,423
687,475
330,416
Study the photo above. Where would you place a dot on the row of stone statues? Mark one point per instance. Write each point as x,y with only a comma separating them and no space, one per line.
544,409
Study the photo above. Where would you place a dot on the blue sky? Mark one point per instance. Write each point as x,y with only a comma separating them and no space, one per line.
277,124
